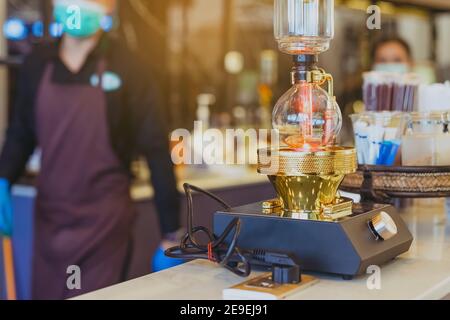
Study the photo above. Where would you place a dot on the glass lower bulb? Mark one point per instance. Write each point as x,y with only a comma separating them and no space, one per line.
307,117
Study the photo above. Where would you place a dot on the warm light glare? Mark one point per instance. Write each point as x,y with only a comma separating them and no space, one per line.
15,29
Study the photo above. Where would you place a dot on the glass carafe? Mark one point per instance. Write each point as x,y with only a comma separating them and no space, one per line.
307,117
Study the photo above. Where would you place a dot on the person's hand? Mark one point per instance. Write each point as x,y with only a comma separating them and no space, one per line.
6,212
160,261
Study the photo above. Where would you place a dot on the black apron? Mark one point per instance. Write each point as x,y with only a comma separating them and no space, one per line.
84,212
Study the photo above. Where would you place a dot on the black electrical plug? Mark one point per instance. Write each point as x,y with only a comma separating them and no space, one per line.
285,268
286,274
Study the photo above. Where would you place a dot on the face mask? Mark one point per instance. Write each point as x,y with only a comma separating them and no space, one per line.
400,68
79,18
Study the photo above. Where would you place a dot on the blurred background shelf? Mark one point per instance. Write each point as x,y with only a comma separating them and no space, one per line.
430,4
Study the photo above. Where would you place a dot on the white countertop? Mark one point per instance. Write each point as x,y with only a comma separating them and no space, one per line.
203,178
422,273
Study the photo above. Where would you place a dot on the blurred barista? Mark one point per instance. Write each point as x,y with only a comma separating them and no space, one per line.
85,102
392,55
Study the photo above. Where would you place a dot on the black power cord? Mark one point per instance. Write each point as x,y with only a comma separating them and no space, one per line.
227,255
285,268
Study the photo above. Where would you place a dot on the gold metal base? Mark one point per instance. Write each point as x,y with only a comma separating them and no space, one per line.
307,183
290,162
305,195
341,208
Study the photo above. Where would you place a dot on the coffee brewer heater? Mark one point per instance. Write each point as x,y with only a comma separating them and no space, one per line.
309,227
325,232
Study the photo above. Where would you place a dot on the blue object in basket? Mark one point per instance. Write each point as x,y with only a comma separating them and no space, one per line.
388,153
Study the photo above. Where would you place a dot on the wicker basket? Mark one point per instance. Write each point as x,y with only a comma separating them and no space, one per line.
400,182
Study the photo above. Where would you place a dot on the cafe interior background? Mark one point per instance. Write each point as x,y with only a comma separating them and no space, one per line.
221,54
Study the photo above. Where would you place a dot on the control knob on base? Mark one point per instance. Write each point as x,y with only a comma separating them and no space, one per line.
383,226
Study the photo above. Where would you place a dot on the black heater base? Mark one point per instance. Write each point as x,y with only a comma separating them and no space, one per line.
346,248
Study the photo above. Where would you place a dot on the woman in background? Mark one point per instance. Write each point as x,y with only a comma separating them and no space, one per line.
87,105
392,55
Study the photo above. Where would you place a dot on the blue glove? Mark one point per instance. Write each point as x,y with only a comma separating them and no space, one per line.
161,262
6,212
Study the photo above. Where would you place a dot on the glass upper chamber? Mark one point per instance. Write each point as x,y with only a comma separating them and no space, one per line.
304,26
